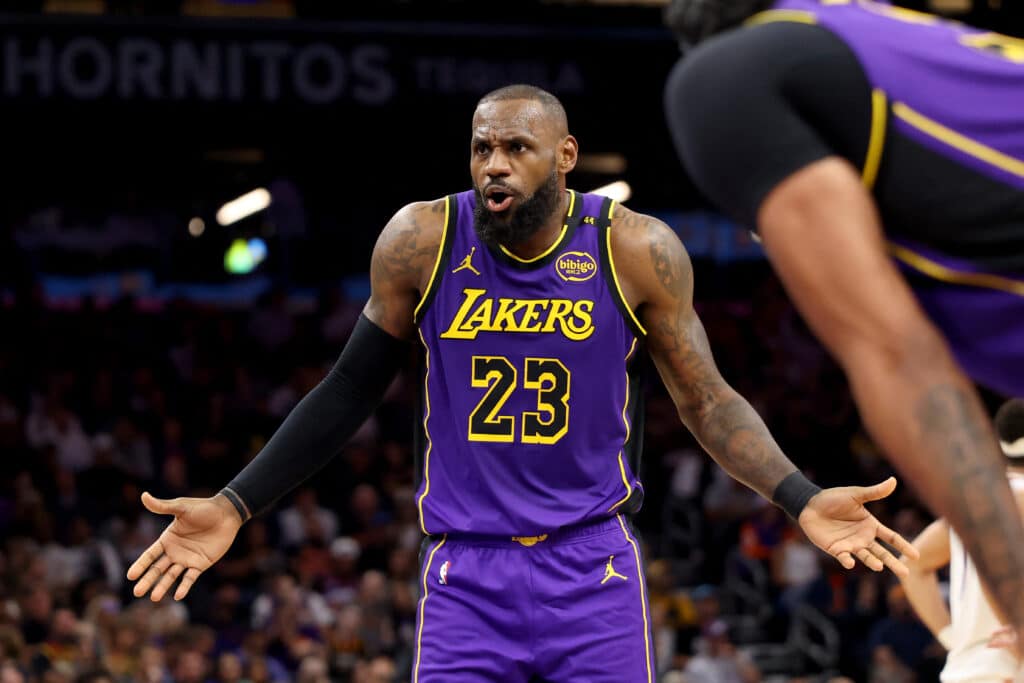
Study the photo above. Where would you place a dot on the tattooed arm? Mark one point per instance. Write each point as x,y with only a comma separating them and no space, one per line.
319,426
657,274
657,280
402,261
823,235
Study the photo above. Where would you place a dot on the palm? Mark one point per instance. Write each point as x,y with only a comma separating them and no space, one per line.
836,521
201,532
199,537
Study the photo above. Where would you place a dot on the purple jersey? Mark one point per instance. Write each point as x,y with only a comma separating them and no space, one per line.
955,89
530,382
959,92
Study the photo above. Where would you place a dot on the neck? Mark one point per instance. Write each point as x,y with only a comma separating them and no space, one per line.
551,230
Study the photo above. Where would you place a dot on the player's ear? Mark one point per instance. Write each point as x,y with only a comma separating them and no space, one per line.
568,152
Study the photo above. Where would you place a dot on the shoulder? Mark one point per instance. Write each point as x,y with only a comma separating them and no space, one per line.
408,245
649,256
422,219
633,232
747,62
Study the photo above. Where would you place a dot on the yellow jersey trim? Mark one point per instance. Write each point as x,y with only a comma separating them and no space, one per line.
426,432
615,275
625,482
625,421
437,261
423,608
643,596
876,143
957,141
938,271
772,15
555,244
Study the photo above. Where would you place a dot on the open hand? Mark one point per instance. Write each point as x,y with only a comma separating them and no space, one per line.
837,522
202,531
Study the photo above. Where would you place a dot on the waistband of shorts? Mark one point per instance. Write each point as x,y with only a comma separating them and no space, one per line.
572,533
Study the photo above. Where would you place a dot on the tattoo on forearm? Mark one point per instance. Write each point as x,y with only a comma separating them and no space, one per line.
980,505
739,440
726,424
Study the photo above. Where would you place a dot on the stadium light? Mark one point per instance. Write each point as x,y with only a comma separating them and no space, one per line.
246,205
620,191
243,256
196,227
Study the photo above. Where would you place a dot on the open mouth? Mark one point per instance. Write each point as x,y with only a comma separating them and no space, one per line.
498,199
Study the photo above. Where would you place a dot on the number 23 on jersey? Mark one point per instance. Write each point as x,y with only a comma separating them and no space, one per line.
497,374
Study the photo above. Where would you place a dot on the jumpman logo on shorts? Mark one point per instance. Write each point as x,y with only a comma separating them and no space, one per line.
609,572
467,263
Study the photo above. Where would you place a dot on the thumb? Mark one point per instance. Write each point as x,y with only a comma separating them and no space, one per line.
160,506
878,491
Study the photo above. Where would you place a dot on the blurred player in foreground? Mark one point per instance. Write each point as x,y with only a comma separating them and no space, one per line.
879,154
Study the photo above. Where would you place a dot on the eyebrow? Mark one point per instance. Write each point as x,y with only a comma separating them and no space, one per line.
525,138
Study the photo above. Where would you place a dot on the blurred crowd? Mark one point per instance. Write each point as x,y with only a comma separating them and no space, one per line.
100,401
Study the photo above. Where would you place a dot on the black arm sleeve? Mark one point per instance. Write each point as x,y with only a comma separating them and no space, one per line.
318,427
751,107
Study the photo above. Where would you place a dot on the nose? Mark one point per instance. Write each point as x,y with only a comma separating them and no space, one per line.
497,165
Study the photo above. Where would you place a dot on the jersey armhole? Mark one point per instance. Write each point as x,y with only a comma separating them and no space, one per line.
611,278
451,219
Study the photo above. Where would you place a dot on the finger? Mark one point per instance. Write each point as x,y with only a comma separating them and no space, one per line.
160,506
876,492
148,557
151,576
902,545
846,559
1003,637
166,581
869,560
889,560
186,583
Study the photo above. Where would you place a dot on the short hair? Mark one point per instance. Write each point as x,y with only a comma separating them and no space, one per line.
693,21
1010,423
523,91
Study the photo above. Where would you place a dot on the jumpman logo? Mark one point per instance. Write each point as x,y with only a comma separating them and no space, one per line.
609,572
467,263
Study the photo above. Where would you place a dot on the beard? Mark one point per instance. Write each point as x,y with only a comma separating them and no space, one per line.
519,223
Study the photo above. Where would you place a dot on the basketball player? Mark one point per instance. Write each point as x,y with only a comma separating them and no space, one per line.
532,304
966,627
879,154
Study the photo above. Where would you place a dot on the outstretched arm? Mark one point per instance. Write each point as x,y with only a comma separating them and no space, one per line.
659,280
824,237
318,427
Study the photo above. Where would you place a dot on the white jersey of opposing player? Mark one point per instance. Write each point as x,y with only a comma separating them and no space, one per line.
973,621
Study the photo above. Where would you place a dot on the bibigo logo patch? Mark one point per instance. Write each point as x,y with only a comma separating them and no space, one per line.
575,266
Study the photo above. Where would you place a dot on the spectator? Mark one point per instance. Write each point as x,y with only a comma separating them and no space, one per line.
718,661
306,520
899,642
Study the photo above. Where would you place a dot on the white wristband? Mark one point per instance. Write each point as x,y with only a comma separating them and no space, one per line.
945,637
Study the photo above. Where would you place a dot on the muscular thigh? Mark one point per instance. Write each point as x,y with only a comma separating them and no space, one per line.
471,620
592,612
